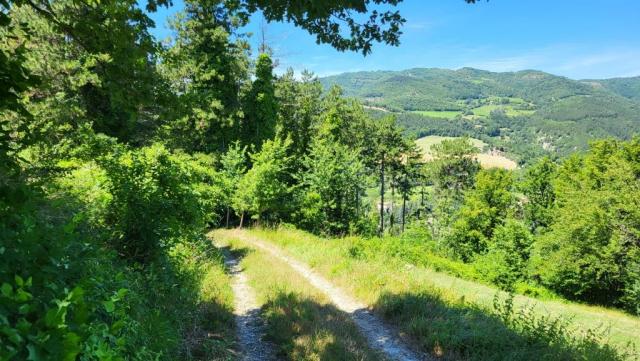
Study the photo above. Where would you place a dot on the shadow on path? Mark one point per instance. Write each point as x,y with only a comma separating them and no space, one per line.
461,330
304,329
249,324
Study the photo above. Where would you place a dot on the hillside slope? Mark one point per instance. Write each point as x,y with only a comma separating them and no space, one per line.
626,87
447,316
527,112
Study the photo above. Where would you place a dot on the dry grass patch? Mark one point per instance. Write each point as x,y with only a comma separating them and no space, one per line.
486,158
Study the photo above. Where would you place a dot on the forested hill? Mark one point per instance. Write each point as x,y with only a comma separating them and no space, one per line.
626,87
528,112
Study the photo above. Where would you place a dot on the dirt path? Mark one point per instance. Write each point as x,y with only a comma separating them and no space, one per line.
378,335
247,313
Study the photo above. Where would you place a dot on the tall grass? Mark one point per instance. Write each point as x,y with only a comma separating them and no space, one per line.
205,316
459,319
300,321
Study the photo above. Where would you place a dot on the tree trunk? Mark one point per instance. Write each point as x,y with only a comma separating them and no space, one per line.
382,198
228,211
391,213
357,202
241,219
404,208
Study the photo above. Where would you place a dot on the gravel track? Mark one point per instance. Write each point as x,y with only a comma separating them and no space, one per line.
250,326
379,336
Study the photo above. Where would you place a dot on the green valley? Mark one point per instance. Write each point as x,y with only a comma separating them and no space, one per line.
526,113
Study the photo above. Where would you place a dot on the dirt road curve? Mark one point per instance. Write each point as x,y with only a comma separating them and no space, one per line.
378,335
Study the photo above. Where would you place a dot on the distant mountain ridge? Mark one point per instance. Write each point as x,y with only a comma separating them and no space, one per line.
626,87
524,111
437,89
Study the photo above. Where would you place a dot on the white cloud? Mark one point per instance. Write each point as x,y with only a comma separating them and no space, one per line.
608,63
418,25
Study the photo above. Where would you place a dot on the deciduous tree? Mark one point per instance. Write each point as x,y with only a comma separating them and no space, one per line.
264,191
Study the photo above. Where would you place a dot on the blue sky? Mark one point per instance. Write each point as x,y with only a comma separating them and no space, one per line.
575,38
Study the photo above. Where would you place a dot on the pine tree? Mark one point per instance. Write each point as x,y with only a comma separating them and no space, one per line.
208,69
261,115
233,164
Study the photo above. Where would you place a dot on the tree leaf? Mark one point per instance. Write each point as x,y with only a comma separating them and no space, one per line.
6,290
109,306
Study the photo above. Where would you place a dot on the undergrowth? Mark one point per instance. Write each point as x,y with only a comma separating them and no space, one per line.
78,281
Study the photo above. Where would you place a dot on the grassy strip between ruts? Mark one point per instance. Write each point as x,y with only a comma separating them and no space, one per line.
459,319
300,321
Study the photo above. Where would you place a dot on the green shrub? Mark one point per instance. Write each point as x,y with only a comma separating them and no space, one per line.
153,202
532,290
485,207
310,215
506,261
208,184
411,249
51,305
66,294
85,185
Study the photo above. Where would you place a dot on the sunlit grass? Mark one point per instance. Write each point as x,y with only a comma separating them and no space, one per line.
376,281
299,318
485,110
208,324
446,114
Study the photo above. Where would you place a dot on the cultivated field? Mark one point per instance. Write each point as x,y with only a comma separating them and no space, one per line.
447,114
486,158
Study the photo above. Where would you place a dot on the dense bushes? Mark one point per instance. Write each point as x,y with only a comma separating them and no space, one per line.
62,292
506,259
591,250
45,311
90,267
153,200
572,228
485,207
